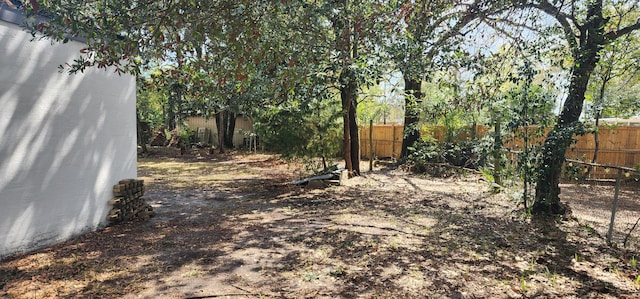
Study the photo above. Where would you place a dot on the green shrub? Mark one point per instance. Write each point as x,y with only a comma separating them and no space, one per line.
434,158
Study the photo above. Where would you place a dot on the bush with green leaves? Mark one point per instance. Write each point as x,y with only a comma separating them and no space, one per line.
150,104
433,157
187,136
305,130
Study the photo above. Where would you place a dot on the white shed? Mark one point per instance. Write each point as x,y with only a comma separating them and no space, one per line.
65,140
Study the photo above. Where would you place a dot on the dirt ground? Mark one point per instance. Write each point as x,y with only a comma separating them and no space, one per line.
232,226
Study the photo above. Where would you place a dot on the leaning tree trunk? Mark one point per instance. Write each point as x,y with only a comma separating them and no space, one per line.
412,98
547,200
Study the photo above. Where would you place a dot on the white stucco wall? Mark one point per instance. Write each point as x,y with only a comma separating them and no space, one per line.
64,141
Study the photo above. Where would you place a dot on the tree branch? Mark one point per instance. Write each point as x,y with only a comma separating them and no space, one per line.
562,18
513,23
612,35
468,16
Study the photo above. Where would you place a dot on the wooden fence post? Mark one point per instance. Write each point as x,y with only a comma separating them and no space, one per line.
393,143
371,145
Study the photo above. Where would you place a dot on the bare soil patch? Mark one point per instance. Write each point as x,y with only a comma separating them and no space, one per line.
231,226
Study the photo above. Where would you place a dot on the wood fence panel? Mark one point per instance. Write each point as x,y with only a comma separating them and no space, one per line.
195,122
364,142
633,146
619,146
387,141
439,133
398,132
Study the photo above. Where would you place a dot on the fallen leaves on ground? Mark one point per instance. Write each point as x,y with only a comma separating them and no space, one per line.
232,226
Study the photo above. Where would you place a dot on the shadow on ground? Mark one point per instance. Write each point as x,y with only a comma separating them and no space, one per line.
243,231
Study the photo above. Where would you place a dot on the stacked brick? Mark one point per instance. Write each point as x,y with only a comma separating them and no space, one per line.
128,203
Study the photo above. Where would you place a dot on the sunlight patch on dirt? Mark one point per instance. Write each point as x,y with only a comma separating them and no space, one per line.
233,227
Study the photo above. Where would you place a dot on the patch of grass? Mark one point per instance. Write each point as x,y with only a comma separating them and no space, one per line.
310,276
613,268
192,273
347,244
551,276
589,228
532,264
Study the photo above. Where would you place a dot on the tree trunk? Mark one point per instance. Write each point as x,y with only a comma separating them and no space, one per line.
596,140
170,121
348,93
220,127
547,199
412,99
142,132
355,136
347,47
346,139
497,154
596,146
174,104
230,126
600,102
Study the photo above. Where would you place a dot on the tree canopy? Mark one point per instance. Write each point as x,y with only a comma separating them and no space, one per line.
305,63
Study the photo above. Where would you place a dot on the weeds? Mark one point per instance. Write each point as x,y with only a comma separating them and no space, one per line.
589,228
310,276
551,276
523,284
192,273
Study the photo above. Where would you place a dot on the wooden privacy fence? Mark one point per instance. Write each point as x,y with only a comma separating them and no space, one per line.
387,141
618,145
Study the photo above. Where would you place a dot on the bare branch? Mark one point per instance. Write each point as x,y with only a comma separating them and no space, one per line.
507,34
513,23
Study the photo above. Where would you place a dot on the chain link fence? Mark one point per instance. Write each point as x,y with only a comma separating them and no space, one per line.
606,199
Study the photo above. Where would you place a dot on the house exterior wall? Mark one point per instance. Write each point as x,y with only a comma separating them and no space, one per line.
65,140
244,126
